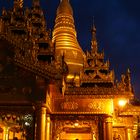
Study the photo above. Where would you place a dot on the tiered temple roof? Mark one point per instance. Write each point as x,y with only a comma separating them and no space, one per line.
31,42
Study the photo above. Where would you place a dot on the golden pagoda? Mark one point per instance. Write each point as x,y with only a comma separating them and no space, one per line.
51,90
65,39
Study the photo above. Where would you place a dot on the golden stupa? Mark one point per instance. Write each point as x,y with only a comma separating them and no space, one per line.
65,39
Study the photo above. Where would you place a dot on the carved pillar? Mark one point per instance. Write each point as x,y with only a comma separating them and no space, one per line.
101,128
48,127
41,123
6,133
129,134
108,128
13,134
134,130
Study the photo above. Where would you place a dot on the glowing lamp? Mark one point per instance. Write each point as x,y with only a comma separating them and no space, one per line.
70,76
27,124
76,124
122,102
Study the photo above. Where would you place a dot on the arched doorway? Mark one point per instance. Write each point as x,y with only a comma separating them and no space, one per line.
76,134
76,130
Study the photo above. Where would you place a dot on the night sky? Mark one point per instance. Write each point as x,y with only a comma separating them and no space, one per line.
118,30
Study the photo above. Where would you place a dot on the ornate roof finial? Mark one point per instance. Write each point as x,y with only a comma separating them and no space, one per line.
18,3
93,26
94,40
128,71
128,80
64,0
36,3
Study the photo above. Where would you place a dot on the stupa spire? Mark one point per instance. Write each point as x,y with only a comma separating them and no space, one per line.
64,7
65,38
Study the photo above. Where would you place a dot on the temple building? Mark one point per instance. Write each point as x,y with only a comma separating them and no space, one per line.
50,89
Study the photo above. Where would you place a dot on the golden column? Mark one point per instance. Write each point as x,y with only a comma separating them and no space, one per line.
134,130
129,133
6,133
48,122
41,123
108,128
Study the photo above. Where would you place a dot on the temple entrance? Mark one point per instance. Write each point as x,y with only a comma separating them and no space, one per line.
75,130
76,134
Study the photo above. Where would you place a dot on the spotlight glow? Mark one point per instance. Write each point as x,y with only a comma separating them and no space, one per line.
122,102
76,124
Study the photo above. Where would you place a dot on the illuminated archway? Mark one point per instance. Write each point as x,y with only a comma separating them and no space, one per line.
76,129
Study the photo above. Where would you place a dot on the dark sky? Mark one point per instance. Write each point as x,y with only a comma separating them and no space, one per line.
118,30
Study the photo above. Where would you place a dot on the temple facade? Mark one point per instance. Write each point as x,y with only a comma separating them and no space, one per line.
50,89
